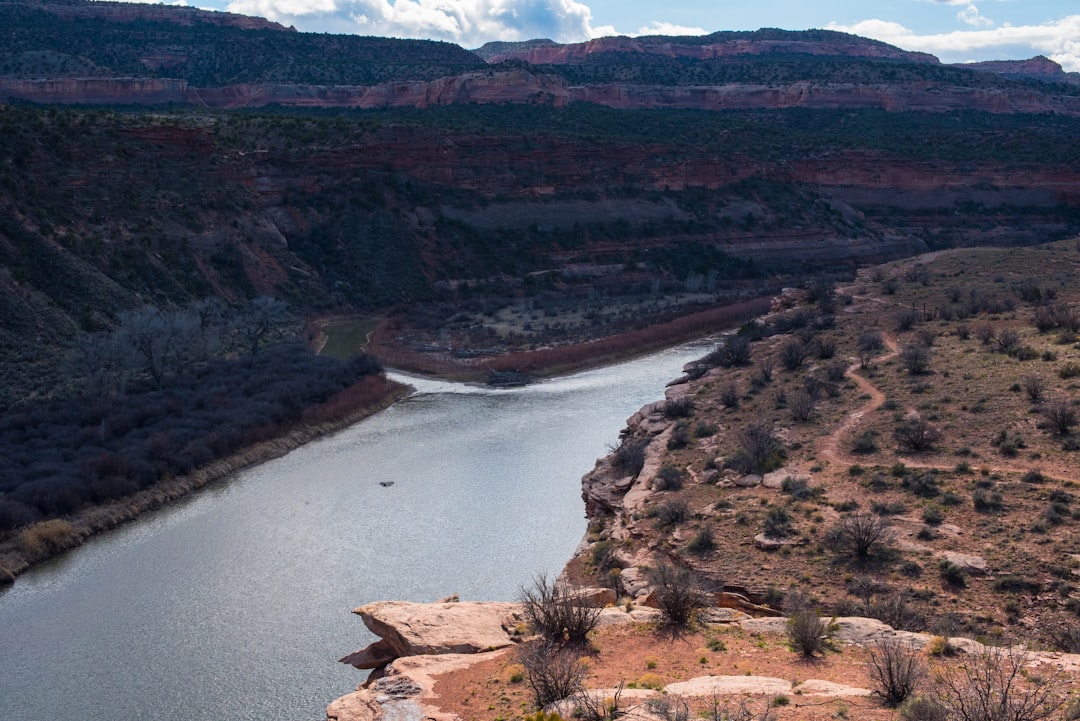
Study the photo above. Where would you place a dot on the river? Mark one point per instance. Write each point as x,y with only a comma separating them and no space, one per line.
234,603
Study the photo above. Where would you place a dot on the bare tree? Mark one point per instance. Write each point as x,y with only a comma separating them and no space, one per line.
163,341
261,321
993,685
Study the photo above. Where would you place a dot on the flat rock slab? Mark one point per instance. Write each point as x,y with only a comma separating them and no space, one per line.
416,629
618,616
817,687
708,685
763,685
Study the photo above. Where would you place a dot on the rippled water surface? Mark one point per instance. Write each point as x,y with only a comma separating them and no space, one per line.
234,603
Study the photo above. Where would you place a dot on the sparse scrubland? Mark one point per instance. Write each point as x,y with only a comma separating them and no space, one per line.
933,489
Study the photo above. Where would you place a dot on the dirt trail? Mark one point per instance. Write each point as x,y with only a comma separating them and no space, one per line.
829,447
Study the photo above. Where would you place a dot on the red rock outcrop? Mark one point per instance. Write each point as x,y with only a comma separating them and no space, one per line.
840,45
520,86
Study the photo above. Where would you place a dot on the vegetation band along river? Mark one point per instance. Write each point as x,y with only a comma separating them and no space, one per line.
234,602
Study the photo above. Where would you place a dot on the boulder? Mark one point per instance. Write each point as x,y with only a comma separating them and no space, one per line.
975,565
596,597
768,543
750,480
775,480
414,629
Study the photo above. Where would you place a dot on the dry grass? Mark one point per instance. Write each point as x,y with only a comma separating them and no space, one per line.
47,538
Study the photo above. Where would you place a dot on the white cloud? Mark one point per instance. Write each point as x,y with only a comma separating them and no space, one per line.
467,22
656,27
971,16
1058,40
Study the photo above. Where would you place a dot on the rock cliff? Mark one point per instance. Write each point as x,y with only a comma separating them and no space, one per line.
524,87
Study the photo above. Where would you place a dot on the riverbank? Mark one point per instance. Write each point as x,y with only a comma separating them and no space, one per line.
390,344
850,411
42,541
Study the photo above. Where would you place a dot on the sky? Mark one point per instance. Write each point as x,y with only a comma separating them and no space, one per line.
953,30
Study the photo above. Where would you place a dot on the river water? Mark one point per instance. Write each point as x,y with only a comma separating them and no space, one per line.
235,603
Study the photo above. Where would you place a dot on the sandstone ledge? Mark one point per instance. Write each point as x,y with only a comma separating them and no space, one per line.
404,690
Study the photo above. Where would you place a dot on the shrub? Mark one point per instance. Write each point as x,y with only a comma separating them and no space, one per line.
825,348
704,429
760,451
807,633
915,433
630,456
1065,638
557,613
993,684
857,535
551,672
985,500
922,483
678,594
985,333
668,478
778,523
792,353
802,406
765,370
907,318
680,407
836,371
915,358
733,351
680,436
729,396
923,709
799,488
671,513
952,574
1008,340
865,442
1069,370
703,542
1060,414
895,670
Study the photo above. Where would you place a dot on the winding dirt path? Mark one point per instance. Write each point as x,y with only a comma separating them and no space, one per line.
829,447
